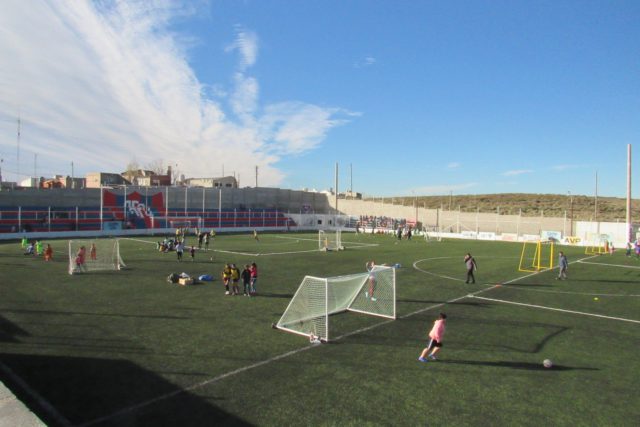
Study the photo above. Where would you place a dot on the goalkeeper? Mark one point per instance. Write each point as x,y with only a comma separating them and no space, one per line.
372,280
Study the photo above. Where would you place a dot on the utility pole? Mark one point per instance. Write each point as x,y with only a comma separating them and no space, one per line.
570,213
595,217
256,176
629,226
18,154
351,178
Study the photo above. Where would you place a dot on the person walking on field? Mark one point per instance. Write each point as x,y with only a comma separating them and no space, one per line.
471,265
253,269
436,335
246,280
179,250
564,266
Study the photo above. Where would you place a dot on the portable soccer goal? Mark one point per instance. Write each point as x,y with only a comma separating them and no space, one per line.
598,244
431,233
318,298
105,255
536,255
330,241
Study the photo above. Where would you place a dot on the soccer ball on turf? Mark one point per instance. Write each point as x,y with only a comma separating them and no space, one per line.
547,363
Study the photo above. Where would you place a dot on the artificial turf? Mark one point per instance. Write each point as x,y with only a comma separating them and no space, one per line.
128,348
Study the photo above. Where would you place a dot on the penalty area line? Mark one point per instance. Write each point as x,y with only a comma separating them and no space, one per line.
609,265
562,310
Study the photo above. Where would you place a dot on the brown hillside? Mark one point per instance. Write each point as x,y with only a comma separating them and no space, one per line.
579,207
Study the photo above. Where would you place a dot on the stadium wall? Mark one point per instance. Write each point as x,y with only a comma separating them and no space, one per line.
309,210
491,226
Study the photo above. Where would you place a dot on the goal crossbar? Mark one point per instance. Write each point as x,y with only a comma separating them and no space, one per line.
317,298
94,255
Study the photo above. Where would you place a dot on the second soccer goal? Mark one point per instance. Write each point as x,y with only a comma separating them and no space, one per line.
93,255
318,298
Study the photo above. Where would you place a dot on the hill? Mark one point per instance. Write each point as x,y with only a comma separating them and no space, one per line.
578,207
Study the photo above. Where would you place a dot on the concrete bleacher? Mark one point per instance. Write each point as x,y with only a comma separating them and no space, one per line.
13,413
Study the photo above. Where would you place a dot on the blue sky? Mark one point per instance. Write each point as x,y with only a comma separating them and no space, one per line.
415,97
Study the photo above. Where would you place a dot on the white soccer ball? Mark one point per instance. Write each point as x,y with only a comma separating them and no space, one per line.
547,363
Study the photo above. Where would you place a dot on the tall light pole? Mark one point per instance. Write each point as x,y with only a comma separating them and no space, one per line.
570,213
629,226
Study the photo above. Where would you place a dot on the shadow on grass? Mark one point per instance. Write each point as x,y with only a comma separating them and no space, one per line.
9,331
105,392
75,313
537,285
273,295
516,365
421,301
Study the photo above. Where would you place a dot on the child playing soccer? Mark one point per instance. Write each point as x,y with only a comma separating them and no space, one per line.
48,253
436,335
371,265
93,252
226,278
192,252
246,280
235,277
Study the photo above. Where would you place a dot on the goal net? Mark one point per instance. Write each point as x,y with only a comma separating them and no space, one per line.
317,298
94,255
330,241
597,244
536,255
177,222
431,233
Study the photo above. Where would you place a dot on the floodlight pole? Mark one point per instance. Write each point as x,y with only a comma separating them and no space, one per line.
570,214
629,225
596,207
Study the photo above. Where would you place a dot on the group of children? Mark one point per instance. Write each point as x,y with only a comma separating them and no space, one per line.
231,275
36,248
81,257
635,246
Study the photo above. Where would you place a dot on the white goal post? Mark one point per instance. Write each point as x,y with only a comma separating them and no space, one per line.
330,241
177,222
94,255
317,298
431,233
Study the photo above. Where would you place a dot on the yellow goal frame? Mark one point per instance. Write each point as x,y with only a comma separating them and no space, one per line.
542,257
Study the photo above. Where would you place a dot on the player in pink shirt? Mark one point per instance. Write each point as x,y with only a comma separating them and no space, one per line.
436,335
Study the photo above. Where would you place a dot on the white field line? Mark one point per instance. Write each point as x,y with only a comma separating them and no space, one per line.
255,254
266,254
556,309
526,289
315,240
44,404
609,265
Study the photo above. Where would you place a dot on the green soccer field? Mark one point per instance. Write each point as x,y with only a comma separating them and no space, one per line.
128,348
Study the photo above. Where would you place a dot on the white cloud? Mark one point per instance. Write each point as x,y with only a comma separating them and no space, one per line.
101,85
453,165
564,167
366,61
247,44
517,172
